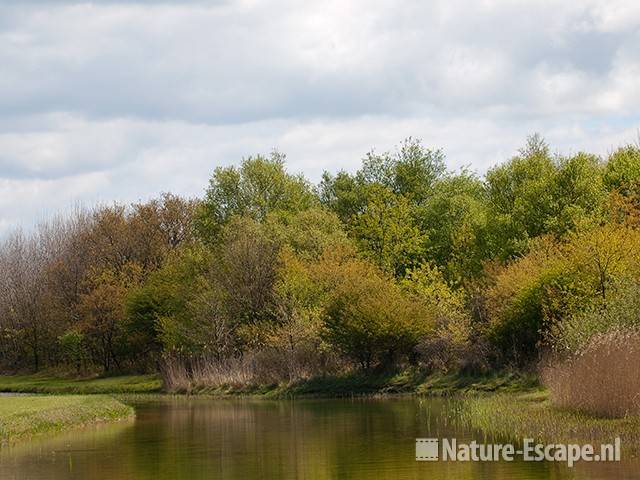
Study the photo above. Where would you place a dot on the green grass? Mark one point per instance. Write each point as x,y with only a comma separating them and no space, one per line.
404,382
49,384
411,381
532,415
26,416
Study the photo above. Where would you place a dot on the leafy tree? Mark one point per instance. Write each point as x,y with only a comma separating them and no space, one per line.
451,338
259,186
159,314
412,171
343,194
73,349
367,317
103,315
534,194
307,233
579,194
520,197
387,233
455,220
622,171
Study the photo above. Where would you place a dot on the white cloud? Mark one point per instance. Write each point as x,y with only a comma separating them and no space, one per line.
122,100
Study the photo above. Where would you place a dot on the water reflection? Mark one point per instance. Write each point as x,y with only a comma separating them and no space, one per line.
256,439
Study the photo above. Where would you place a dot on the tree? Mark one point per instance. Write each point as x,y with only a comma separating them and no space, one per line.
622,171
387,233
534,194
103,314
367,317
22,293
579,194
261,185
307,233
520,196
343,194
455,219
412,171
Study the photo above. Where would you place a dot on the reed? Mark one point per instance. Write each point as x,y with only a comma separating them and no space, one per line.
603,379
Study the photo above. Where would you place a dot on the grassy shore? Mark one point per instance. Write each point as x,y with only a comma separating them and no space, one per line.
42,383
406,382
26,416
505,404
532,415
356,384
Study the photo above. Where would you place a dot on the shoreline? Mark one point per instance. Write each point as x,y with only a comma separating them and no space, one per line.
24,417
506,404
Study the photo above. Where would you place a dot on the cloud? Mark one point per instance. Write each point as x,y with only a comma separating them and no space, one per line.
121,100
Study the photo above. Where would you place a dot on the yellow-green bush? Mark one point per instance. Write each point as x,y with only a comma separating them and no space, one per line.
556,282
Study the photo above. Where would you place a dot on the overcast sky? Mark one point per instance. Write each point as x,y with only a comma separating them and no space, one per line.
115,100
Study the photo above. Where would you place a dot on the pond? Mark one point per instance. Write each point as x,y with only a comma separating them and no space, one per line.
241,439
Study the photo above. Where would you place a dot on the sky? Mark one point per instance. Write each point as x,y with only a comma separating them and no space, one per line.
122,100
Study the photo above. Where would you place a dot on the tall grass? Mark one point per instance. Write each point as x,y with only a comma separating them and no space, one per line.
532,415
254,368
602,379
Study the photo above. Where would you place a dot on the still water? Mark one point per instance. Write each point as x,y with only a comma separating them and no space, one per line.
256,439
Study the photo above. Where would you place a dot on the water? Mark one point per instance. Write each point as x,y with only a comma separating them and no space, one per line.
256,439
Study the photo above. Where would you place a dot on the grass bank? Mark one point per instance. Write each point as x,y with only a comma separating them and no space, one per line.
42,383
532,415
25,416
405,382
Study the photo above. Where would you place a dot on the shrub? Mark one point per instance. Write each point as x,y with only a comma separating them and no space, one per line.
621,312
448,345
555,282
368,318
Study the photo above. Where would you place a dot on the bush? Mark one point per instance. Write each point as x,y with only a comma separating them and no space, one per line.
368,318
532,297
621,312
449,345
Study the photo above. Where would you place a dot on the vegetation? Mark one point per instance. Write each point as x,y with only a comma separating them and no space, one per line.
42,383
602,379
401,266
27,416
532,415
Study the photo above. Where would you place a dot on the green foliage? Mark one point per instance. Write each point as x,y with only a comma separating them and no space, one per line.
399,262
387,233
455,219
411,172
158,312
446,345
368,318
261,185
343,194
307,233
622,171
579,194
534,194
557,283
73,349
621,313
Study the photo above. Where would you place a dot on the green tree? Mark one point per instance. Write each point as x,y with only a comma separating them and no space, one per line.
520,196
455,219
368,318
412,171
259,186
622,171
387,232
